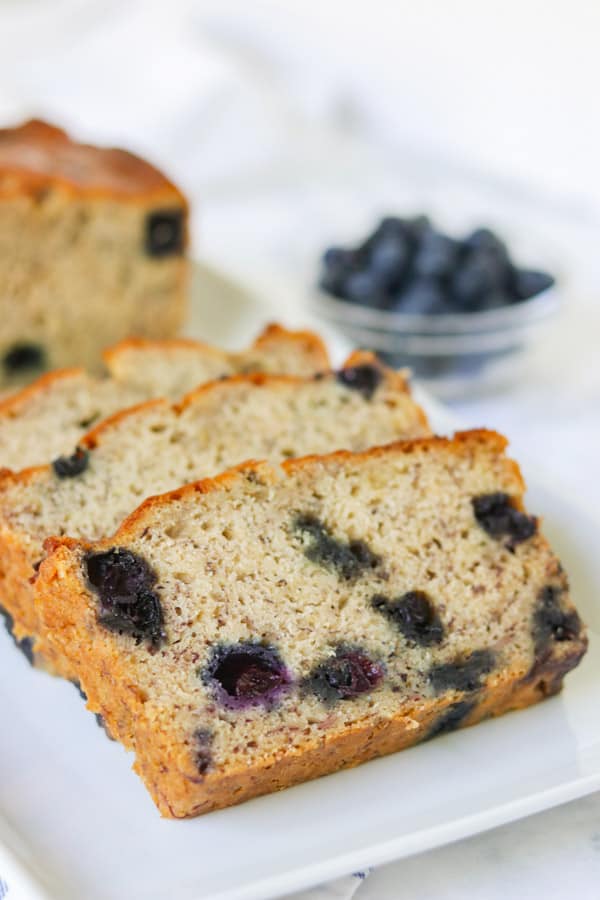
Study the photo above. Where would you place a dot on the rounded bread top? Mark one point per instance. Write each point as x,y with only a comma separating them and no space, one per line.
35,156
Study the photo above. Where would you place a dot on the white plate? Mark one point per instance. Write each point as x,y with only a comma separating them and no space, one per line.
76,823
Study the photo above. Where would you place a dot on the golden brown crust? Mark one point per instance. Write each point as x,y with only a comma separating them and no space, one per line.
312,343
35,156
169,773
272,334
18,598
180,794
12,404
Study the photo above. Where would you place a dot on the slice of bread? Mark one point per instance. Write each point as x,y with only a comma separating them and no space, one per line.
157,446
47,419
272,625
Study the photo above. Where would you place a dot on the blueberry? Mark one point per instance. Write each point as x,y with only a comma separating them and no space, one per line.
165,233
364,379
462,674
388,259
337,266
246,674
498,517
24,356
338,258
392,226
551,622
423,297
451,719
348,560
70,466
417,227
364,287
436,256
484,239
481,273
527,283
414,615
128,605
344,676
202,739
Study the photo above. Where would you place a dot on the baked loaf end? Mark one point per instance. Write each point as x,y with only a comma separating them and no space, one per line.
275,624
49,417
158,446
93,249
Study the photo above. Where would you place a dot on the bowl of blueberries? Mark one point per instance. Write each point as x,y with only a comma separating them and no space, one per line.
459,312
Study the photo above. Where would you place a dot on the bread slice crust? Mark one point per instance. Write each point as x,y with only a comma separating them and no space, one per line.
201,430
112,669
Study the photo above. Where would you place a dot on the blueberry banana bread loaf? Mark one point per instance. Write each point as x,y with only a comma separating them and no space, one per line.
157,447
93,250
271,625
48,418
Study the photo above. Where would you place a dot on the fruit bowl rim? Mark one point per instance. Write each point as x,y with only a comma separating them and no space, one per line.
506,318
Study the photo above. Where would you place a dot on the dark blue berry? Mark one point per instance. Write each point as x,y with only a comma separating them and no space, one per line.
527,283
482,273
124,584
436,255
365,288
24,356
246,674
422,297
388,259
344,676
417,227
551,623
364,379
484,239
463,674
203,756
338,258
414,615
451,719
165,233
70,466
348,560
498,517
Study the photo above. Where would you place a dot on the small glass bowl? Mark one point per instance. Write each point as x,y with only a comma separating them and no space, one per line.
453,355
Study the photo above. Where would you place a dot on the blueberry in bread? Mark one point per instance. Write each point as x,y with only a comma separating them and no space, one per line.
93,250
46,420
265,663
158,446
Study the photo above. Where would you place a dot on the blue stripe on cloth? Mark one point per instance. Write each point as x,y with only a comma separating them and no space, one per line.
3,889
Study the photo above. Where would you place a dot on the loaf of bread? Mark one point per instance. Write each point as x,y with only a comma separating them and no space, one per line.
46,419
246,633
93,249
158,446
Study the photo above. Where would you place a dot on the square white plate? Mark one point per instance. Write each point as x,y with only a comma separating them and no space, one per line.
75,822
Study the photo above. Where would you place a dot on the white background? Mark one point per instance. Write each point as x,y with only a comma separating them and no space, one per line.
295,123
